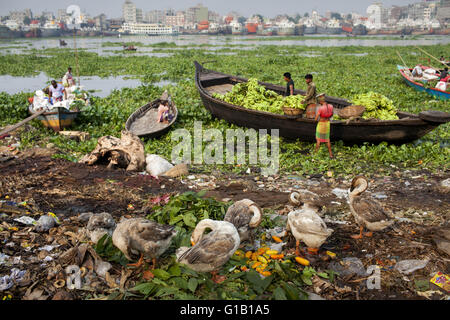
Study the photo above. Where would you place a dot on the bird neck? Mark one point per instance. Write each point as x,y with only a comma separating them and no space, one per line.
257,217
201,227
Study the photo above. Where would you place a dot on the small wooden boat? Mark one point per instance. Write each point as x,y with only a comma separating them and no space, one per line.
419,86
62,43
57,118
129,48
144,121
408,128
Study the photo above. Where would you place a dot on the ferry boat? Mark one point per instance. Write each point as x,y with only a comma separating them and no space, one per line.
150,29
310,27
286,28
333,27
50,29
237,28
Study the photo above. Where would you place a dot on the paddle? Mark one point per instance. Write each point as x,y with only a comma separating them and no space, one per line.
432,56
21,123
404,63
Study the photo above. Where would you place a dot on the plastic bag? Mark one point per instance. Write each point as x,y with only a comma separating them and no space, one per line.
157,165
409,266
441,85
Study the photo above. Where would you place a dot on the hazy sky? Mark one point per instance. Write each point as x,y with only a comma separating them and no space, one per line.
113,8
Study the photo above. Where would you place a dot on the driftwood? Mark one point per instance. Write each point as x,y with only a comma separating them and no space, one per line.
126,152
21,123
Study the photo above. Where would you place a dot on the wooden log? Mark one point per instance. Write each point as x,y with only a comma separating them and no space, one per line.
21,123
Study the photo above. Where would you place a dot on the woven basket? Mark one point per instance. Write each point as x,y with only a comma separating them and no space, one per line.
292,111
351,111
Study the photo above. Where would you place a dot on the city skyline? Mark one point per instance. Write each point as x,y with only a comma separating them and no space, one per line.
247,8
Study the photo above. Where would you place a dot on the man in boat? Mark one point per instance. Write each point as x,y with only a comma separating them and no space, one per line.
323,115
56,91
67,80
443,75
289,85
310,99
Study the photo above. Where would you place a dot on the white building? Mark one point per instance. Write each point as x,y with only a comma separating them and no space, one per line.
149,29
377,16
129,12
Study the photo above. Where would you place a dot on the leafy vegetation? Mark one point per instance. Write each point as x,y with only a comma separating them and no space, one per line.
338,71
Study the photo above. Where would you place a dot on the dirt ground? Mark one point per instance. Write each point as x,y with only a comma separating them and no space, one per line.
418,201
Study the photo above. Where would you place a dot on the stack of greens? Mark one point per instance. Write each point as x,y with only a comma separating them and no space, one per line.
251,95
377,106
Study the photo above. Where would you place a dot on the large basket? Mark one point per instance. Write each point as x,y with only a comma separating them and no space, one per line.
351,111
292,111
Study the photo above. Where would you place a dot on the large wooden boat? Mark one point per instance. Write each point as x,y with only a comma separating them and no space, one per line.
57,118
408,128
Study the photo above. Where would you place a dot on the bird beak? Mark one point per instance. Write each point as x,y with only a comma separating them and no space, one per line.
192,243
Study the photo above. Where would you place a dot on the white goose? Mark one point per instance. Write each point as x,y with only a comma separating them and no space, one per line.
306,225
244,215
367,211
210,252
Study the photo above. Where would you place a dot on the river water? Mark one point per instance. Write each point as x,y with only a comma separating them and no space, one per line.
103,47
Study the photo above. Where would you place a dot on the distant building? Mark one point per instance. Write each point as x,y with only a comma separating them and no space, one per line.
129,12
101,22
19,16
196,14
154,16
139,16
177,19
377,16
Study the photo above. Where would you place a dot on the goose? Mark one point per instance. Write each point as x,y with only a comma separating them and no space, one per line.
244,215
211,251
99,225
302,196
139,236
306,225
367,211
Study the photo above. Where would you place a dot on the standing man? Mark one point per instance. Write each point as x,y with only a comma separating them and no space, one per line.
289,85
67,80
56,91
310,99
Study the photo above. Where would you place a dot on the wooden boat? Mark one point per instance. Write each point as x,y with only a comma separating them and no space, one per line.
129,48
143,122
408,128
57,118
419,86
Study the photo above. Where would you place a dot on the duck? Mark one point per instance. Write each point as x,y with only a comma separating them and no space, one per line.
139,236
302,196
368,212
306,225
211,251
99,225
245,215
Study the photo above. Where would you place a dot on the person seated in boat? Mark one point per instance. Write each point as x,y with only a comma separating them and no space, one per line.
163,112
56,92
443,74
417,71
67,80
310,98
323,115
289,85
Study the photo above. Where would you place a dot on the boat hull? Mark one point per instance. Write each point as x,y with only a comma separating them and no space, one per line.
409,128
57,120
420,87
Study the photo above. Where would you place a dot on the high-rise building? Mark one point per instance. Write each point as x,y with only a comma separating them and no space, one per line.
196,14
155,16
129,11
139,16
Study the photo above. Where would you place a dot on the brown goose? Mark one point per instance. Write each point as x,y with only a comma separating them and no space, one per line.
367,211
244,215
303,196
210,252
141,236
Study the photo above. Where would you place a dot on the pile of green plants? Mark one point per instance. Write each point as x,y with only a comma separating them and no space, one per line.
377,106
251,95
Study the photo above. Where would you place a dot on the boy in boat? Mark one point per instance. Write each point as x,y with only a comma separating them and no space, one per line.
325,112
163,112
417,71
310,99
289,85
56,91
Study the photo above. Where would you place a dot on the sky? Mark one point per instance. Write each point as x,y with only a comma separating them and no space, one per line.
269,8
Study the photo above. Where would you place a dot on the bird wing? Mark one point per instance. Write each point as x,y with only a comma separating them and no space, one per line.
310,223
370,210
239,215
210,249
152,231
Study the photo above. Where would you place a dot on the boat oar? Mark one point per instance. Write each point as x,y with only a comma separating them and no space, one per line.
21,123
432,56
404,63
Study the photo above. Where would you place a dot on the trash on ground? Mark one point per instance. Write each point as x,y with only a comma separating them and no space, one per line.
409,266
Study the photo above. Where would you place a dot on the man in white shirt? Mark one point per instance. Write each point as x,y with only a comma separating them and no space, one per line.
56,91
417,72
67,80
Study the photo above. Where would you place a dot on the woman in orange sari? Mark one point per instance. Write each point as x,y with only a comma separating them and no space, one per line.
325,112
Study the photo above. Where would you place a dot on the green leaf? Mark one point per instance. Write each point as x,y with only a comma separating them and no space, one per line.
175,270
192,284
161,274
279,294
190,220
144,288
